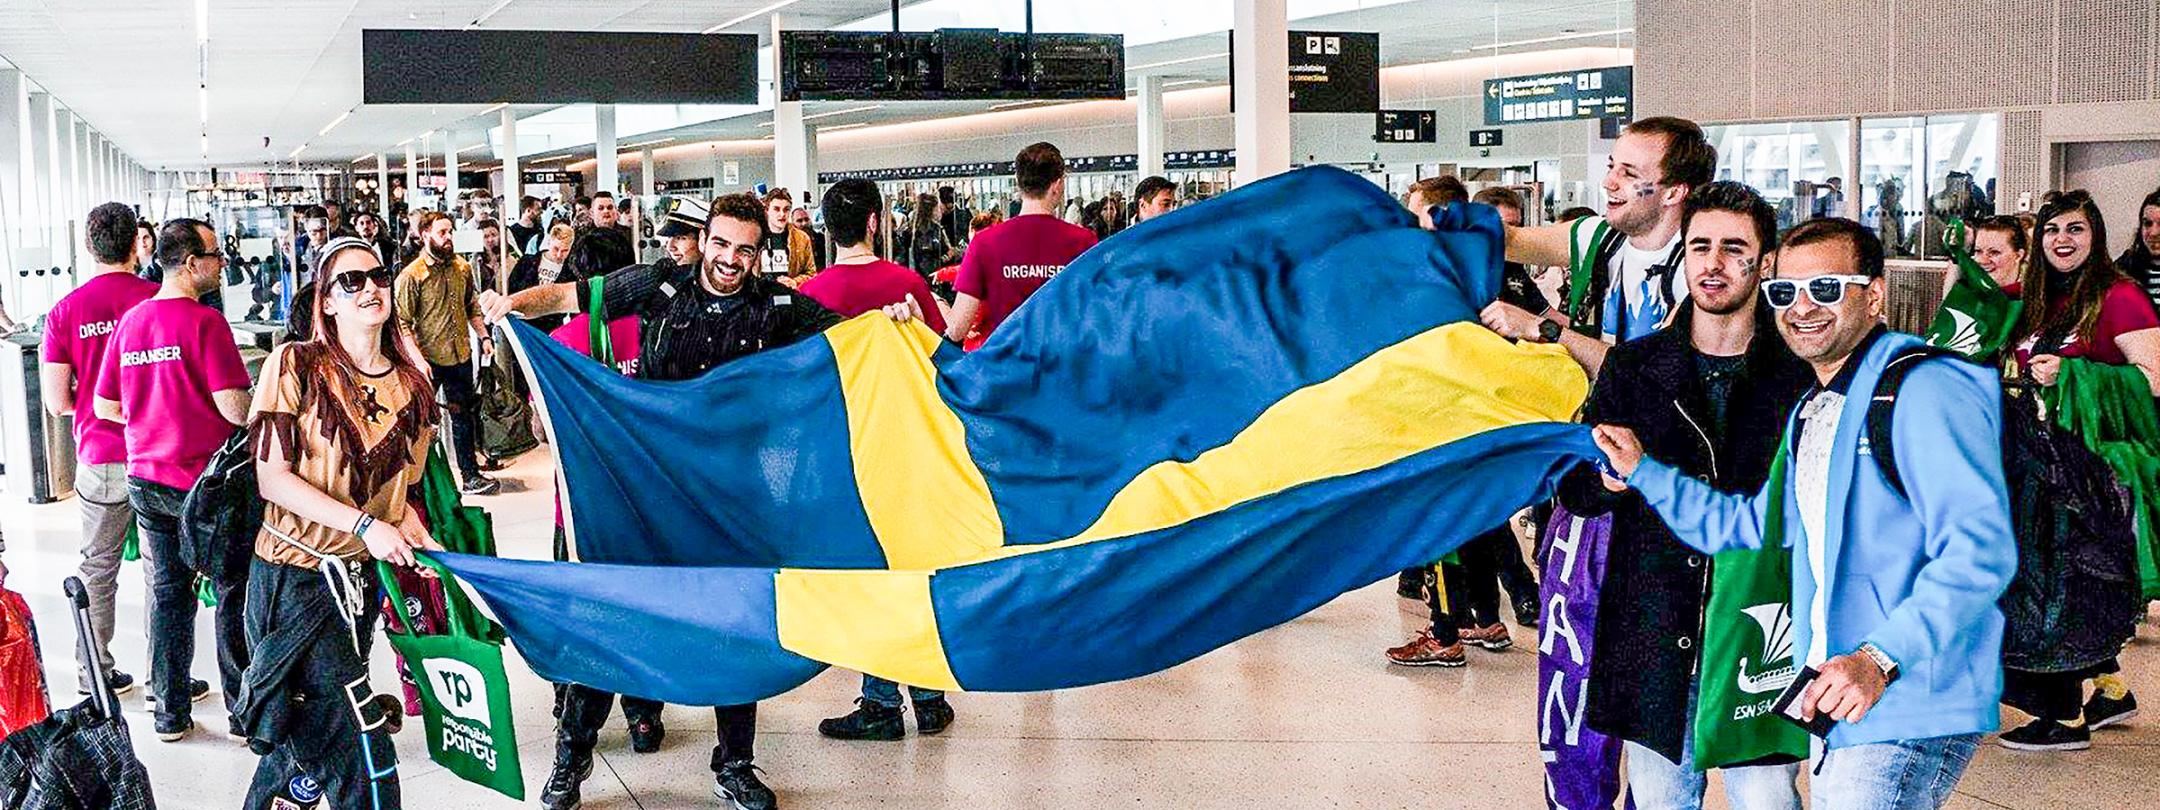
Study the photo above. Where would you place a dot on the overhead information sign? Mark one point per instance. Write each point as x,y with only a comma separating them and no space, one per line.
441,66
1172,161
543,178
1334,71
1566,96
1485,137
1406,126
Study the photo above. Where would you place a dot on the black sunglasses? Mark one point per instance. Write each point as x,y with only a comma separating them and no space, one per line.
351,280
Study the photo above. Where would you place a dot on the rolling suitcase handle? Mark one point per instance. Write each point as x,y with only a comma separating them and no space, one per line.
101,694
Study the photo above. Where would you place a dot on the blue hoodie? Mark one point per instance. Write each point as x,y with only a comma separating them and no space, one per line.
1918,576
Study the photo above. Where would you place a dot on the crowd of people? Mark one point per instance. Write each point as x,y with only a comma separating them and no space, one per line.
1733,368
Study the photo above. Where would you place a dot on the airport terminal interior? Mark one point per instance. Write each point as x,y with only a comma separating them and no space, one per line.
1264,498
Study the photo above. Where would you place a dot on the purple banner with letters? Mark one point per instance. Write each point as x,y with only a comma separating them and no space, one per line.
1582,767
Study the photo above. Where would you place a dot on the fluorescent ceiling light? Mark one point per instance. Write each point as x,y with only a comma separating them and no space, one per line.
1186,82
364,158
472,147
1560,38
498,105
333,123
1034,103
833,113
1170,62
643,144
843,112
202,21
485,15
838,127
296,152
750,16
403,142
202,103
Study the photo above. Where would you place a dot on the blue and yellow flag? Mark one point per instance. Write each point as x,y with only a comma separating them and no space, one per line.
1207,425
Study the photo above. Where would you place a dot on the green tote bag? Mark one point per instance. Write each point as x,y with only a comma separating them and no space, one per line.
464,694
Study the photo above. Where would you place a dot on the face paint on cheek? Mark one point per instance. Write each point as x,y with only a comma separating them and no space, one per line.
1645,189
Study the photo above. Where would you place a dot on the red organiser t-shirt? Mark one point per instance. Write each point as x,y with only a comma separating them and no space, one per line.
853,289
167,356
2123,310
76,331
1013,259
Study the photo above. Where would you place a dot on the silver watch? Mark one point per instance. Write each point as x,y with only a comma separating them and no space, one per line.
1882,661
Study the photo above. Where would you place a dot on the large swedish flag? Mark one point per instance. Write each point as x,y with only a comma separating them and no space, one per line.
1208,425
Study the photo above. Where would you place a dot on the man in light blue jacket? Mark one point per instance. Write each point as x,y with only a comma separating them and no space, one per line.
1893,594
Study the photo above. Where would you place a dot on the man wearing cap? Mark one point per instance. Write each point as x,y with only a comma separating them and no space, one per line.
682,225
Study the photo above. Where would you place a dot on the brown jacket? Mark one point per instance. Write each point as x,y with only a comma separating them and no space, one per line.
801,257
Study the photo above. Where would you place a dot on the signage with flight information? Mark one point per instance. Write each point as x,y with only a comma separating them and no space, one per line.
1566,96
1406,126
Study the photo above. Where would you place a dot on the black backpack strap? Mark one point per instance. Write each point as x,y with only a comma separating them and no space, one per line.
1885,400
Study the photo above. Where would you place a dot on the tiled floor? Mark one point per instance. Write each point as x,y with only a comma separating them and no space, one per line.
1305,715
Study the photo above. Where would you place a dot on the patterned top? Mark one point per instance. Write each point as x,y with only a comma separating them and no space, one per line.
365,450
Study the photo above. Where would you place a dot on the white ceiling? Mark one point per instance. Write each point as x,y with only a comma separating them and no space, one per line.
284,69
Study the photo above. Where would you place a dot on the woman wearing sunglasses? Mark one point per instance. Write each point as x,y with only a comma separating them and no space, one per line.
2079,309
340,426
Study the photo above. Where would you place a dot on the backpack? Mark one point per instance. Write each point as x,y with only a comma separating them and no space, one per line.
222,513
505,414
2072,601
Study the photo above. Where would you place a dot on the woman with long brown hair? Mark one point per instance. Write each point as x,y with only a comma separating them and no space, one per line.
340,427
2079,307
2077,302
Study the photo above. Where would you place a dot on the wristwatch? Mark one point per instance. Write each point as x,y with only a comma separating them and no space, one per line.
1882,662
1548,330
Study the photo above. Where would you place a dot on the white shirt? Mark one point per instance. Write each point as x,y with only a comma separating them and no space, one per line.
1634,306
1811,483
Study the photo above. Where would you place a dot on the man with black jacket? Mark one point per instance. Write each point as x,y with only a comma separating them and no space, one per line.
693,318
1711,394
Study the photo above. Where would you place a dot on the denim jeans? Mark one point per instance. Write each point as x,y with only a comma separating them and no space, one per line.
1656,783
172,607
106,515
1901,775
461,400
887,694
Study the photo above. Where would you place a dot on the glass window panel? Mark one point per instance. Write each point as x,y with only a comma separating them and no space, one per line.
1791,163
1920,172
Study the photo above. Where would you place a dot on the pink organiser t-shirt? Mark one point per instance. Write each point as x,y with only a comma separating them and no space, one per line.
76,331
166,358
623,336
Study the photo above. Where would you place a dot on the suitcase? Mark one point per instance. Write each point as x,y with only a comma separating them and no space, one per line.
79,758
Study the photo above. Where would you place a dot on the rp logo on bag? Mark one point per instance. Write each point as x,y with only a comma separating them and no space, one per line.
459,688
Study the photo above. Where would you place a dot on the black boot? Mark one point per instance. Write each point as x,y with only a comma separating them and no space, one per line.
646,734
932,716
562,790
869,721
738,785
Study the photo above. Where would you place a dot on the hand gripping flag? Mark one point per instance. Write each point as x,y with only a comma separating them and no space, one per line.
1207,425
